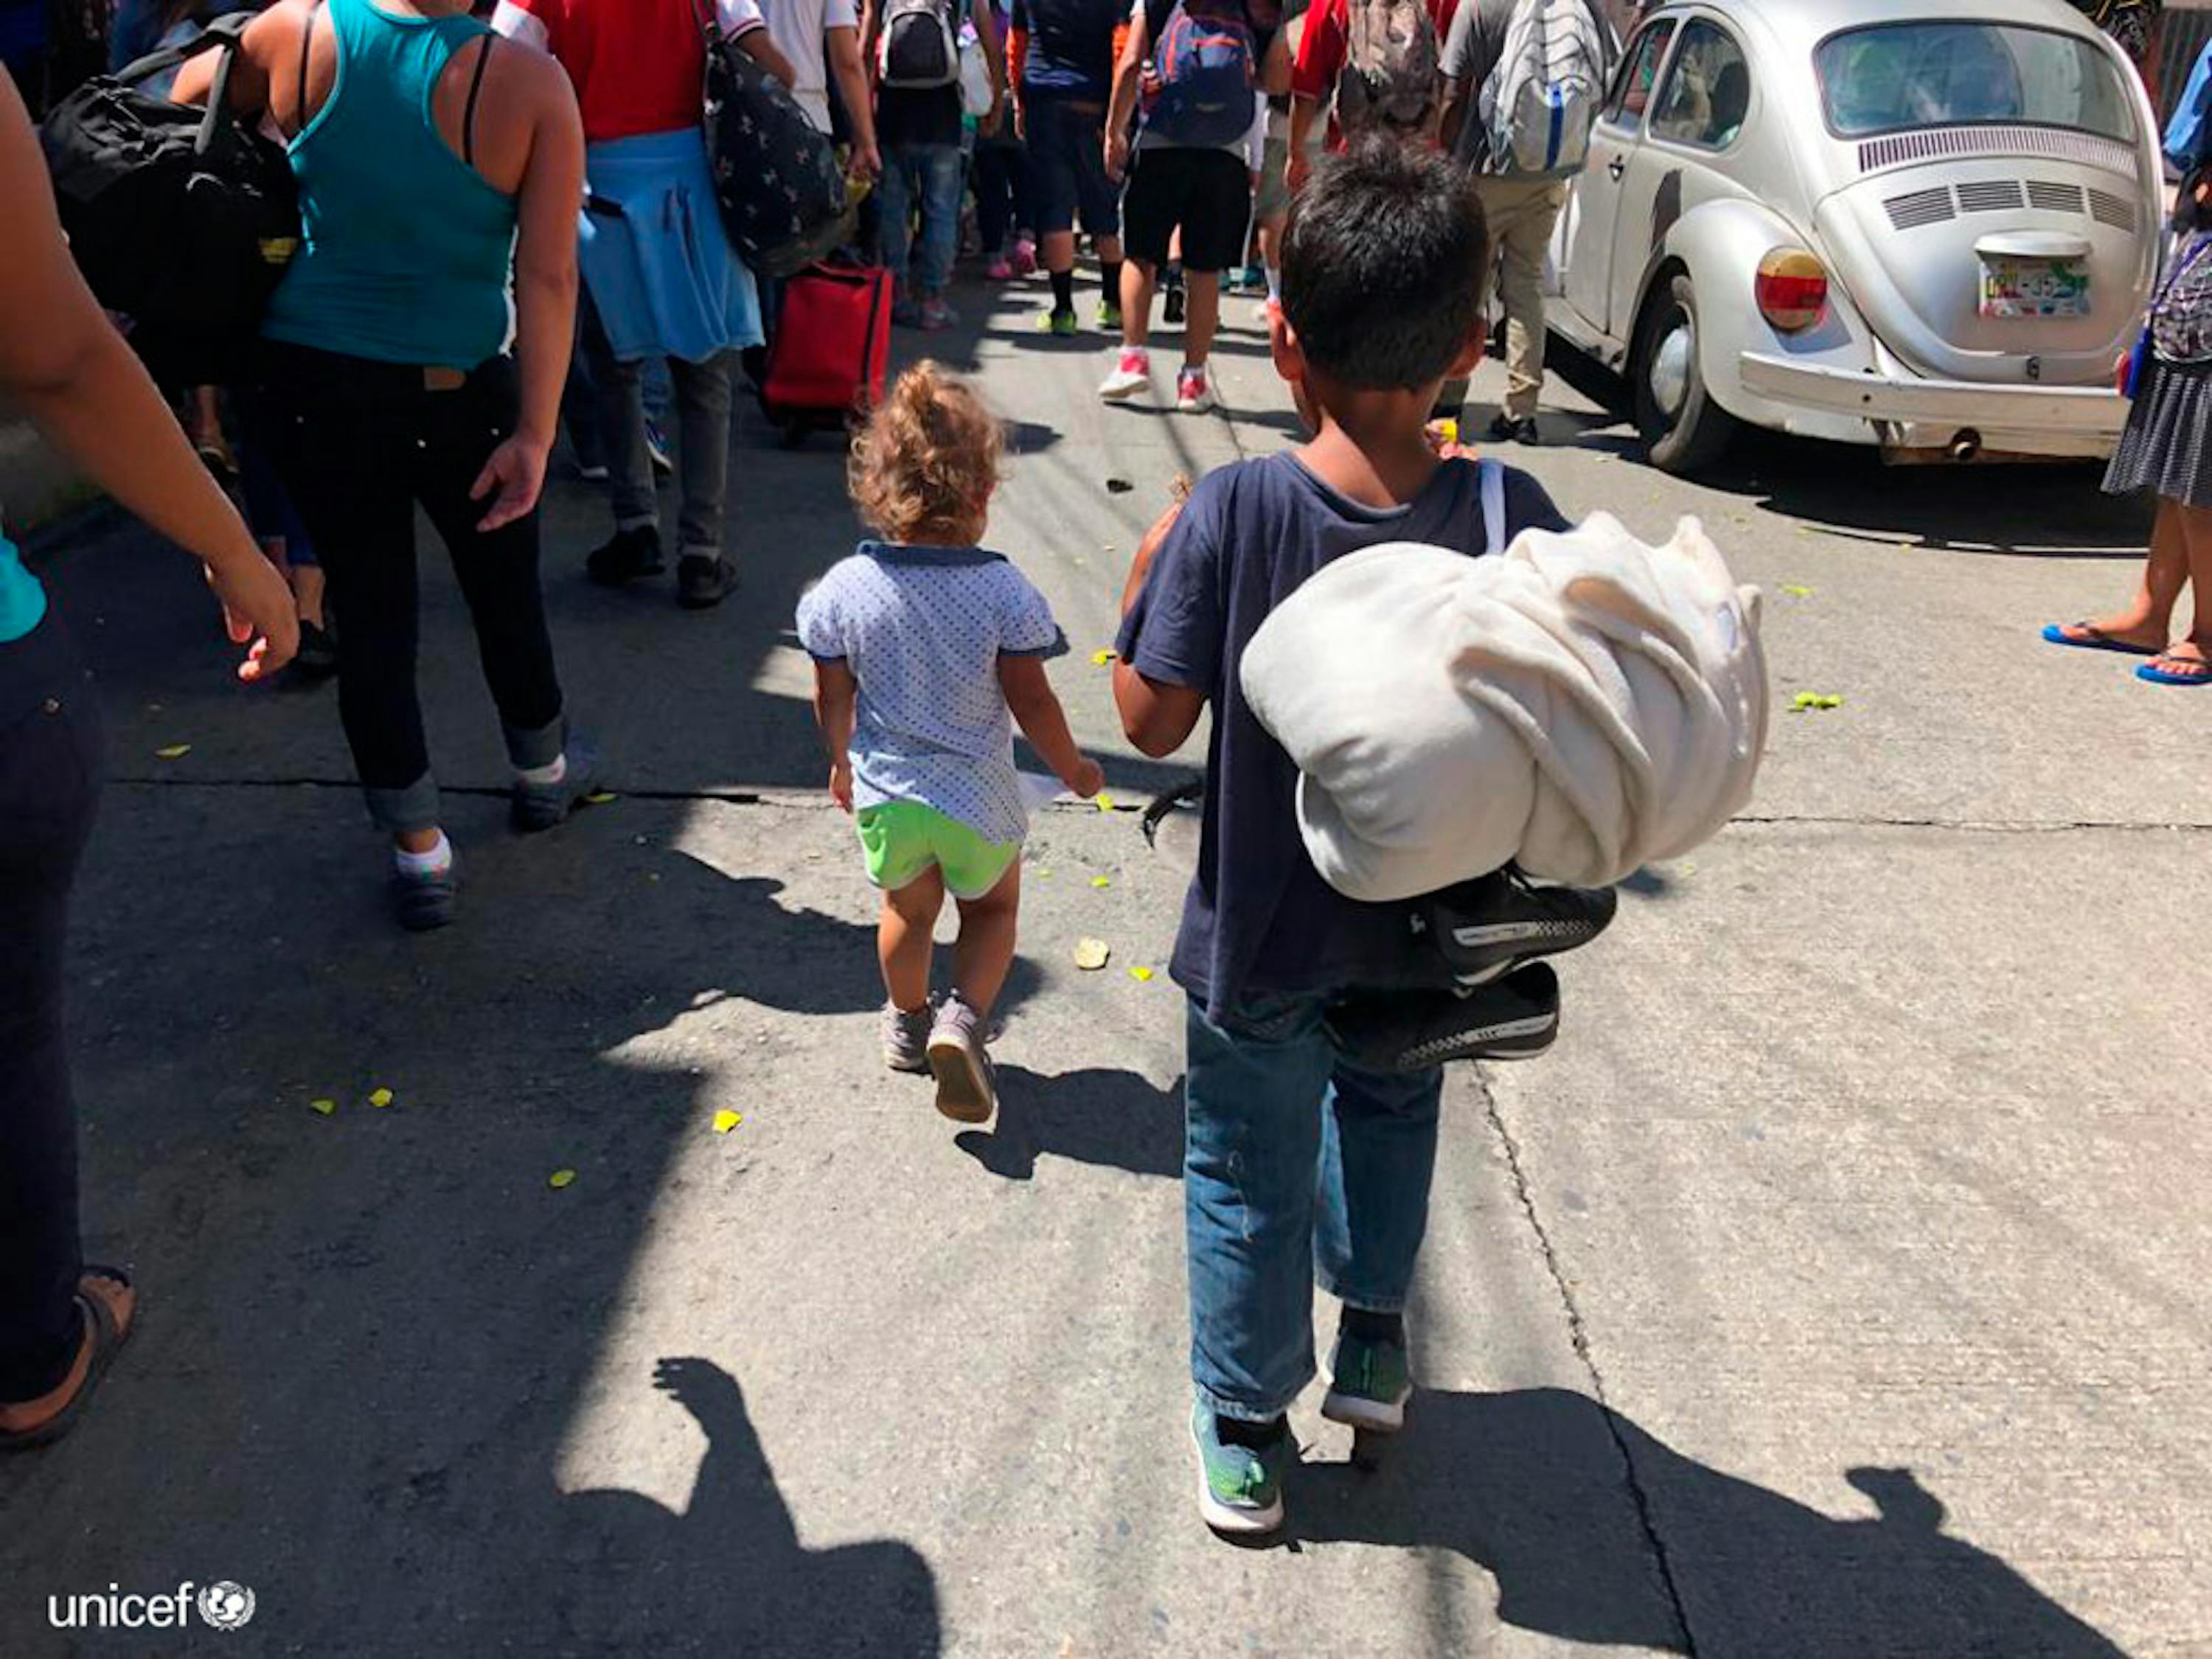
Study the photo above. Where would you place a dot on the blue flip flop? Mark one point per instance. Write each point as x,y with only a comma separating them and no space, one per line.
2056,633
2158,676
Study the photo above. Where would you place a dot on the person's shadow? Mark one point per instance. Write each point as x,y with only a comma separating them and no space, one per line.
1115,1119
728,1576
1559,1500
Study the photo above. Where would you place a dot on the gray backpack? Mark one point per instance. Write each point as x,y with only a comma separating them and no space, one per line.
1392,75
919,47
1545,89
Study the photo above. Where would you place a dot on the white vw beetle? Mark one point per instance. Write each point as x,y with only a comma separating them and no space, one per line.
1926,224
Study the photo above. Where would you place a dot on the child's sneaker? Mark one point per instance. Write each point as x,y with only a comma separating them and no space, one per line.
967,1085
1240,1488
1026,256
1109,316
936,317
906,1038
1133,374
1062,323
1194,390
1369,1385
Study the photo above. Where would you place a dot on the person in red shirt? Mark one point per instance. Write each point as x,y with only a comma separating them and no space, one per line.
660,279
1321,59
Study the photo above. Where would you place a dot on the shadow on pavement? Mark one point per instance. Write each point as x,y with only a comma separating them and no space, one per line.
1117,1120
727,1576
1528,1486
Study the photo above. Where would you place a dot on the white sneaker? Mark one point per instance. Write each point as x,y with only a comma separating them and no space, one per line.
1194,390
1133,373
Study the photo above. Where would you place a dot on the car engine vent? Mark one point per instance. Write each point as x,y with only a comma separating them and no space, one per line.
1920,207
2054,197
1988,195
2117,211
1940,144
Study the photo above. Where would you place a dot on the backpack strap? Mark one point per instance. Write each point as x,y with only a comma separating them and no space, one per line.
1492,490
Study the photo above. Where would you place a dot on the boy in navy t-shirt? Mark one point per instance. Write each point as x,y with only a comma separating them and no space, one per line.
1300,1165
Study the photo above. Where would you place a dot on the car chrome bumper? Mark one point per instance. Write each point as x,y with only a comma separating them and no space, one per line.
2069,420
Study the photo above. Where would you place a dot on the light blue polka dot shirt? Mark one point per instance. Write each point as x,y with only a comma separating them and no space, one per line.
922,629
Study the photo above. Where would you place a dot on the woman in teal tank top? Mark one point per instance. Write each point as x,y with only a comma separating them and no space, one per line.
63,365
432,168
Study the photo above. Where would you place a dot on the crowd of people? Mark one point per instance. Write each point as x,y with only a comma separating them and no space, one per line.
420,350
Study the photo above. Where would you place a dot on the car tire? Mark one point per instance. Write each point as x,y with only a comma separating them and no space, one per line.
1684,431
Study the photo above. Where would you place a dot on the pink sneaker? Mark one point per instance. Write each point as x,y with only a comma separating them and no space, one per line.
1001,269
1194,391
1024,257
1132,374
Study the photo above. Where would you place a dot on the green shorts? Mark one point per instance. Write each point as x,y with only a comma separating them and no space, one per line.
903,839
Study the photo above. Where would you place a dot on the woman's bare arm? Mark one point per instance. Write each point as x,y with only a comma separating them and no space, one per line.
544,294
64,365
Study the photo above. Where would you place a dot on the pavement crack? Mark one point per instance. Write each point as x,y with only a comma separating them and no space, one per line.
1578,1335
1974,826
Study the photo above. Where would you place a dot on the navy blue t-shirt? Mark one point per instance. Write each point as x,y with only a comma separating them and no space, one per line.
1259,918
1071,52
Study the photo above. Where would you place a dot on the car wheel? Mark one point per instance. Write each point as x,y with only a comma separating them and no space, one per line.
1684,429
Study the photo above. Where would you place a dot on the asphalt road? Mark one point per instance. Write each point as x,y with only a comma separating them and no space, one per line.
1835,1289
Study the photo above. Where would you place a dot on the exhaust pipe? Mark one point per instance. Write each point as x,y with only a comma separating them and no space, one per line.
1965,444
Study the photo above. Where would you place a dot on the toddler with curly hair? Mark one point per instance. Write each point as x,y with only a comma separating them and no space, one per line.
927,650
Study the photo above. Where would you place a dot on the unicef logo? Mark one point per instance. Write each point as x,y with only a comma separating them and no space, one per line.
225,1605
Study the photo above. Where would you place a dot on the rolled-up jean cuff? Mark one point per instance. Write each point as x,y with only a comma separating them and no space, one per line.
402,812
529,749
1244,1412
1353,1299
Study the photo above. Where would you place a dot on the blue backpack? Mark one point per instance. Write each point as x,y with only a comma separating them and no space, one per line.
1205,61
2185,134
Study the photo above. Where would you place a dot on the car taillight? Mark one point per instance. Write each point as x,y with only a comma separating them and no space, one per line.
1791,289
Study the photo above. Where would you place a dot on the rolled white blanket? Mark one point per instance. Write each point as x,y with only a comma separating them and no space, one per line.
1581,705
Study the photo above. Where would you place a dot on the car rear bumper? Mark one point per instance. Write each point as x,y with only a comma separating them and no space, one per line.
1911,413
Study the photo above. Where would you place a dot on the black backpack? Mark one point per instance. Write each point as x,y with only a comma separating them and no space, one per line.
183,219
776,178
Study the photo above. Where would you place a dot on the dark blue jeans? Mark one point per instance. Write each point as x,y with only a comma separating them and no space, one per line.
50,779
931,175
1299,1168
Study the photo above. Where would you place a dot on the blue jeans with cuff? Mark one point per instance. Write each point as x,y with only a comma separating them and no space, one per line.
934,175
1300,1168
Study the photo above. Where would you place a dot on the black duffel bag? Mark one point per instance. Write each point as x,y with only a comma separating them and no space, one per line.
183,219
776,178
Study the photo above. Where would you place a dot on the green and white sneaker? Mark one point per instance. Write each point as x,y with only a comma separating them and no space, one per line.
1065,324
1369,1385
1240,1488
1109,316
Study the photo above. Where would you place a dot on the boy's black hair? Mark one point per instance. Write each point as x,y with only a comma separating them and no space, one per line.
1386,265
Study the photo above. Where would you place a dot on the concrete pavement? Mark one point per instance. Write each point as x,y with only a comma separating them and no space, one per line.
1835,1288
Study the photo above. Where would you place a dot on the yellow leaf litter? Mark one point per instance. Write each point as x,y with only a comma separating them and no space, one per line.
175,751
379,1096
1100,659
324,1106
559,1178
1141,974
726,1121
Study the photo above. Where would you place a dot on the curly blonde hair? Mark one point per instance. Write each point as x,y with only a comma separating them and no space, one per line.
924,467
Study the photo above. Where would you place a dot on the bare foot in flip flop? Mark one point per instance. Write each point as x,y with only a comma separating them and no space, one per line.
2136,638
2182,663
107,1303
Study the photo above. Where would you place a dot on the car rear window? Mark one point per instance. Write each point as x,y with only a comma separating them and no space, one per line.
1897,77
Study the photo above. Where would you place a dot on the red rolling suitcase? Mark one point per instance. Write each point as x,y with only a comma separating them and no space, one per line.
833,342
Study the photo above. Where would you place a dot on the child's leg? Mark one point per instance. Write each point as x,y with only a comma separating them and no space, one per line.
904,938
1252,1093
1378,1153
985,953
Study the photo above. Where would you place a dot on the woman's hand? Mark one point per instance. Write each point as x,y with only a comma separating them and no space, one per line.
258,613
513,477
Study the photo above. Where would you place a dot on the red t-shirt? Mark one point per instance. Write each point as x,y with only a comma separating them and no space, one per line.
1327,39
638,64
